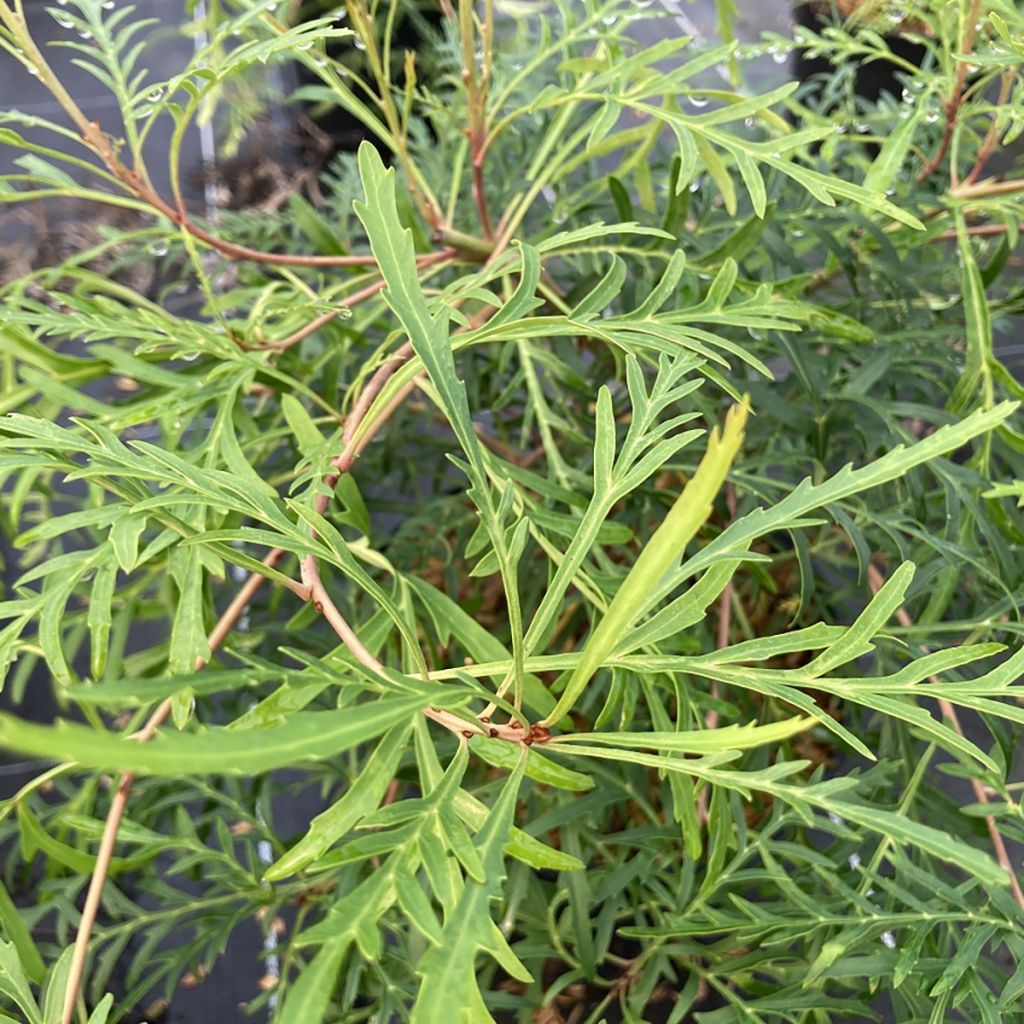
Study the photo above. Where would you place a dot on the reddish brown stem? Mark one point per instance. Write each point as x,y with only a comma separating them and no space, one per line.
988,145
315,325
876,581
480,198
957,96
178,215
977,229
427,260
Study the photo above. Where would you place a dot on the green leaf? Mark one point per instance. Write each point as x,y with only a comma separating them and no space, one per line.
124,538
448,970
856,641
884,171
306,735
302,426
309,996
848,481
102,1011
14,984
16,931
56,983
393,249
975,386
973,862
188,631
686,516
99,617
361,798
541,769
708,741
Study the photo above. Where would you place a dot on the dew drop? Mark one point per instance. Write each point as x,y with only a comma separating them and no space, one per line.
158,248
931,118
360,45
154,94
305,47
85,34
781,57
64,21
862,127
696,99
108,5
33,70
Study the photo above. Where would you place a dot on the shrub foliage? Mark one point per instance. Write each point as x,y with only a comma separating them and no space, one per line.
600,492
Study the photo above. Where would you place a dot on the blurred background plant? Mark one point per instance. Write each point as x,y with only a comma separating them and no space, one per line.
552,745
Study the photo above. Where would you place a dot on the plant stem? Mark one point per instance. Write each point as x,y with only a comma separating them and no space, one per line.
992,136
967,37
430,259
476,98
